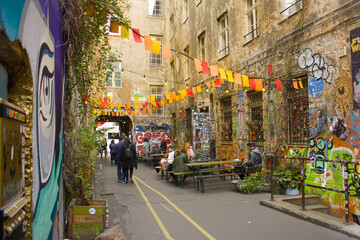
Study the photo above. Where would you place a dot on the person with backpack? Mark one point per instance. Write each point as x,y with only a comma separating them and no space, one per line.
128,159
112,152
117,149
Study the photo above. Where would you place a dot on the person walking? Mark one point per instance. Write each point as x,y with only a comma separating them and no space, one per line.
117,148
128,159
146,147
163,145
112,153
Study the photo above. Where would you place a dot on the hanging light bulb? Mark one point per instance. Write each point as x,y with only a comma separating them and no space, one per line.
122,71
207,90
227,91
165,82
144,77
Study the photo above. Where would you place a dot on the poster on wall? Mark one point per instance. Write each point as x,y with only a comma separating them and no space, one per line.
355,65
201,131
154,134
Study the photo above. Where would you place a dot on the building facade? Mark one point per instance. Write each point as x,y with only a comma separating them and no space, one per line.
300,91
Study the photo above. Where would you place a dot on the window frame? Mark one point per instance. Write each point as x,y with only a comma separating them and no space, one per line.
256,116
154,59
187,63
290,8
160,8
159,97
252,31
112,77
223,50
226,120
202,46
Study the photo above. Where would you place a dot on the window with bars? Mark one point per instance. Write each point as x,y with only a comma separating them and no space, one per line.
290,7
201,40
298,105
155,8
224,36
187,63
251,20
226,123
113,78
256,131
155,59
158,91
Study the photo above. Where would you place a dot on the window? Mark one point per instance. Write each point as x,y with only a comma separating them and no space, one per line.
185,10
251,20
226,125
173,71
256,132
298,105
187,64
155,8
156,60
108,24
158,91
202,47
224,36
290,7
113,78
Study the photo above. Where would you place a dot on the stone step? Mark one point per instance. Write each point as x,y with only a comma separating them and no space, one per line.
318,207
309,200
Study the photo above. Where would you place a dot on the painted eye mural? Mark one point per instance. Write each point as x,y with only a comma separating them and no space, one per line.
342,94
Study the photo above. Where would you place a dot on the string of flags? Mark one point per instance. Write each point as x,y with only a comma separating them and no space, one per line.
107,106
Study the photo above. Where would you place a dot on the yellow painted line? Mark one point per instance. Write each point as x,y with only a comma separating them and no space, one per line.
161,225
180,211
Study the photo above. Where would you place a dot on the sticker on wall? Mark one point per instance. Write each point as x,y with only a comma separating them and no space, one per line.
357,87
92,211
316,87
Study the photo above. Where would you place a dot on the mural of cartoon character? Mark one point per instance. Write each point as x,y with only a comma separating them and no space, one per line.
322,147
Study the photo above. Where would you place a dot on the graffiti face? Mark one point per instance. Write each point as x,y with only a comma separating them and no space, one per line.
315,66
316,87
322,146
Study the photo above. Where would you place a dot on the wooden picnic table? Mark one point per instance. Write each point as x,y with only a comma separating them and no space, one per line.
210,163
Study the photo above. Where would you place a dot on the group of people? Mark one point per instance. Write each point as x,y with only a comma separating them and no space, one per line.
123,154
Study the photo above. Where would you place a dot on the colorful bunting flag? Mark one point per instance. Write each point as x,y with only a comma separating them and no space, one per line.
245,81
258,85
252,83
124,31
136,99
237,77
168,95
222,81
136,35
114,26
152,98
148,43
222,73
173,94
205,68
166,52
208,84
217,82
270,69
213,83
214,70
295,83
194,91
198,66
230,75
300,83
198,88
189,91
156,47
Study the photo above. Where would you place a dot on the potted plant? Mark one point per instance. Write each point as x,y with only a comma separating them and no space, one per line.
254,183
290,174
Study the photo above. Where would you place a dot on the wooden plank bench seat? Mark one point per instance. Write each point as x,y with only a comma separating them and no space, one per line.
196,173
159,169
201,183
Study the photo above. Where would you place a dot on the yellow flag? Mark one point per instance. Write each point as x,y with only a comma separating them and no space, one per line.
95,111
213,84
300,83
168,95
230,75
124,31
148,98
156,47
136,99
245,80
119,106
222,73
198,89
152,98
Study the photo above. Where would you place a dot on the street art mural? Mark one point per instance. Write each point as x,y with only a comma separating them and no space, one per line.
153,133
316,66
37,24
316,87
355,65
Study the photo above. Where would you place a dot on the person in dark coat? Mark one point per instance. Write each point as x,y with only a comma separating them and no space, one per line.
199,152
163,146
117,149
253,164
178,164
112,153
128,162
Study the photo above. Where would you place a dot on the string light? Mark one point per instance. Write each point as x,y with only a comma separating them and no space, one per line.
144,77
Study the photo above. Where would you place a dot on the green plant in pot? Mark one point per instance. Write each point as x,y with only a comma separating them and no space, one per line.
252,184
288,173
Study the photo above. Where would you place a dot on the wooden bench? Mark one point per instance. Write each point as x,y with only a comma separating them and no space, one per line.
159,169
195,173
200,179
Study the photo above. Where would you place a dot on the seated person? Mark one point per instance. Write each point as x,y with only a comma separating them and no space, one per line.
199,153
166,163
179,162
189,151
156,150
253,164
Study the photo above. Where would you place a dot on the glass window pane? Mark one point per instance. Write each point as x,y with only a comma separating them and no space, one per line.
117,83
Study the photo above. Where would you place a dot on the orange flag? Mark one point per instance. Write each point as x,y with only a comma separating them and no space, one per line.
156,47
214,70
148,43
295,83
198,66
194,91
166,52
208,85
237,77
245,80
222,81
258,85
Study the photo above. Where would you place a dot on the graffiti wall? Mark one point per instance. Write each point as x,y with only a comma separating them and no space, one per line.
37,24
153,133
334,127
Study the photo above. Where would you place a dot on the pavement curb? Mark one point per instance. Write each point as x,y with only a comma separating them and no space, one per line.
318,218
